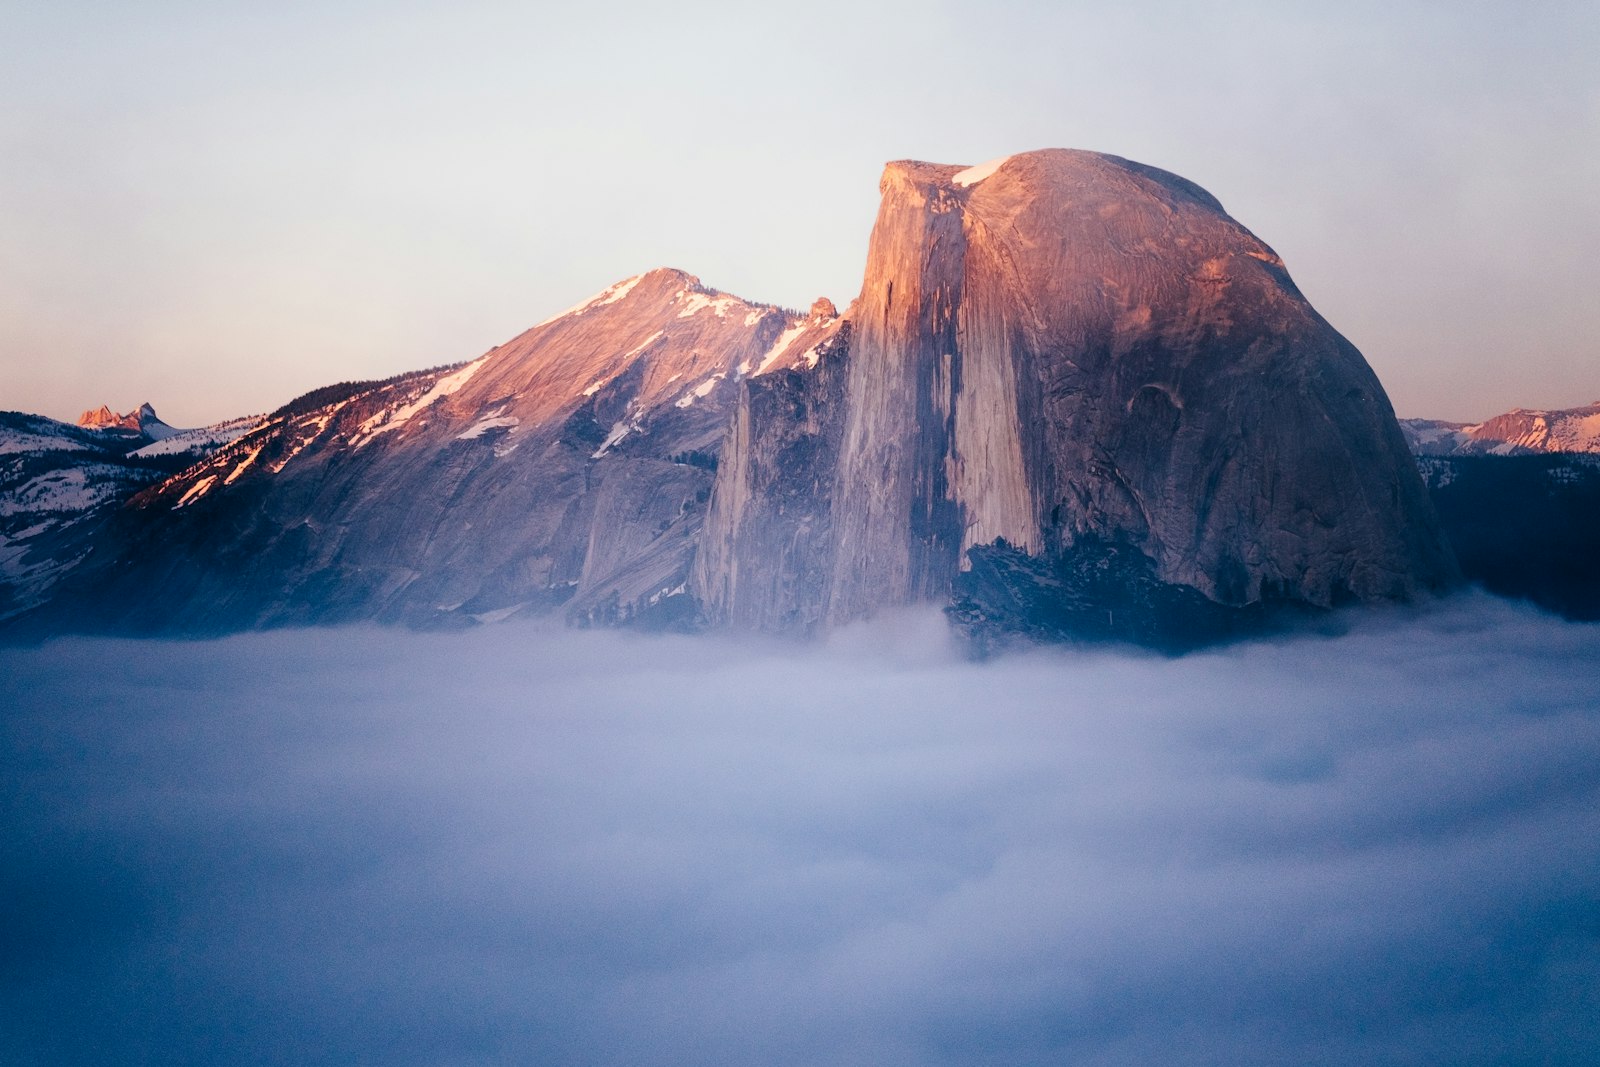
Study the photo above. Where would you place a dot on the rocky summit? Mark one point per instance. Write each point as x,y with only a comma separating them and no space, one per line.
1073,398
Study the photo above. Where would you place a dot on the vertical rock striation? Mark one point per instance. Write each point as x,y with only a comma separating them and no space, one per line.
1061,357
895,529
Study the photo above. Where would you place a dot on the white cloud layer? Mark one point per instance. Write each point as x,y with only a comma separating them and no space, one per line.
530,846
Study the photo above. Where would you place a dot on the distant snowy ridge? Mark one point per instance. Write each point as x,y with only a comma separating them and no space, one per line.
200,439
59,483
1519,431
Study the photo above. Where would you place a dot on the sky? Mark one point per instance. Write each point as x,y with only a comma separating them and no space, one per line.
523,845
216,206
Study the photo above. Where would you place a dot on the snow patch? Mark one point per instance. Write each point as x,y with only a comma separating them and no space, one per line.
609,295
617,291
701,390
1579,434
694,303
384,421
973,175
642,345
241,468
196,491
664,593
60,491
618,432
15,442
781,345
306,432
600,383
206,437
484,425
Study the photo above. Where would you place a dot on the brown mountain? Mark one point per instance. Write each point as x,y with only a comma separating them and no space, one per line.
1065,358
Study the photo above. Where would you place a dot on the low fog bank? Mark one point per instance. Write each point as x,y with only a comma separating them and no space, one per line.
529,846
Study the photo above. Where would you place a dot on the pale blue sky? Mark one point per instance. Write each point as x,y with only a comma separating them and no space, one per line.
217,206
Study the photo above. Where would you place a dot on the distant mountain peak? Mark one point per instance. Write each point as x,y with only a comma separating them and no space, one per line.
142,420
103,418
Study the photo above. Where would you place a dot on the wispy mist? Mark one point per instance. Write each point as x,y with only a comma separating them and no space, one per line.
531,846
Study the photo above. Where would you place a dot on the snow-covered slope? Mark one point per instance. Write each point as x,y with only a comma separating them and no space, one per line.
199,442
1518,431
565,470
53,478
59,482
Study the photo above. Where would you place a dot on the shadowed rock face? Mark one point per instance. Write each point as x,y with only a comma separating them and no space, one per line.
1524,525
1065,352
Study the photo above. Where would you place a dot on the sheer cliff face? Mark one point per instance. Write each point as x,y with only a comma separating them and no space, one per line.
1070,349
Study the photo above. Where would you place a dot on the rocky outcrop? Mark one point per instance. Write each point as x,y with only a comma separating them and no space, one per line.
1065,353
142,422
104,417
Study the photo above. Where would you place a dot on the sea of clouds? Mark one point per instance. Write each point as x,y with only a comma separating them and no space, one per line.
532,846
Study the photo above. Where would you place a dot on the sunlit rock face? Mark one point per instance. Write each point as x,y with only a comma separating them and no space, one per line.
1061,355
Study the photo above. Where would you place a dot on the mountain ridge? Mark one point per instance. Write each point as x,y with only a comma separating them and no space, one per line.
1515,432
1058,355
559,471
